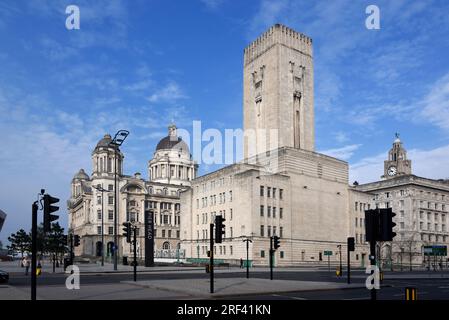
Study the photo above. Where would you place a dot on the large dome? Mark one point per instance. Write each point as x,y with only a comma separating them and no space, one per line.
172,143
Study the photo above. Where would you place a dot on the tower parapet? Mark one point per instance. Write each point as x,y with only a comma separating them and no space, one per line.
277,34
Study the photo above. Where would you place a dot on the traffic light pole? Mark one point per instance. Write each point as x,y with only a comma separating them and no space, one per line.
135,253
349,266
247,256
115,213
271,258
33,250
211,261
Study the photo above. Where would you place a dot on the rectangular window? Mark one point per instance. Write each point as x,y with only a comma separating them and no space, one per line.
99,214
262,253
177,234
274,230
261,211
169,233
269,231
268,211
110,215
281,191
98,200
281,213
261,191
111,200
262,234
230,196
274,212
281,254
110,187
281,232
268,192
163,233
111,230
98,230
274,193
230,250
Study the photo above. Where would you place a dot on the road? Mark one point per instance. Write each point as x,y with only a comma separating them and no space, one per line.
392,287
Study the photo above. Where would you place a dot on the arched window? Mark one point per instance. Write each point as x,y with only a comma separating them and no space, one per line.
166,245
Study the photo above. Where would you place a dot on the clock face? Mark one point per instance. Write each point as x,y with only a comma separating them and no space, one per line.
392,171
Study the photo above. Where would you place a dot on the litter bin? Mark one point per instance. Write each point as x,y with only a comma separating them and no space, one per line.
125,261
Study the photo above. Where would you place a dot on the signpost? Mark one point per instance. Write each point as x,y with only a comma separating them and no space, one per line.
149,238
328,254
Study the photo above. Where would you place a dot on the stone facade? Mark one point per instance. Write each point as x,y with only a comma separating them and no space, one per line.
171,171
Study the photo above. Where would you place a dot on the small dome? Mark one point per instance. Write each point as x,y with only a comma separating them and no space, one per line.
107,139
81,175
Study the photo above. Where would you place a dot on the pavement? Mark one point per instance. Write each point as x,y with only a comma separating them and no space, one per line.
200,288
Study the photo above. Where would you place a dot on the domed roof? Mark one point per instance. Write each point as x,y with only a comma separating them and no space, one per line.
107,139
172,143
81,175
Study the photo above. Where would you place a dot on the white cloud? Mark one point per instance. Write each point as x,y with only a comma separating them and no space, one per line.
436,104
170,93
343,153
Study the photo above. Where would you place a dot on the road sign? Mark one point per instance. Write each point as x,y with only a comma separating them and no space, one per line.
435,250
327,253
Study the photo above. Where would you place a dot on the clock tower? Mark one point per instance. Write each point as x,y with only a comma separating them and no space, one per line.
397,163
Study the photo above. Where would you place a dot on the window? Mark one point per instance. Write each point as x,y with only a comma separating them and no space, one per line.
98,200
402,225
261,211
177,234
262,234
281,232
230,232
281,211
261,191
356,224
268,192
268,211
230,250
230,196
262,253
274,230
269,231
110,200
274,212
99,214
163,233
356,205
111,230
110,215
274,193
281,191
98,230
402,213
281,254
169,233
110,187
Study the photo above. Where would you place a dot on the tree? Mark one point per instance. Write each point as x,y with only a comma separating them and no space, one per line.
408,245
20,241
56,241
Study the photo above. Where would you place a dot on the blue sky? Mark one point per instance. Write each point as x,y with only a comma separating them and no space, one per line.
139,65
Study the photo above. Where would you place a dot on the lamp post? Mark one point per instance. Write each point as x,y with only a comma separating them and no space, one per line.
118,140
102,190
247,240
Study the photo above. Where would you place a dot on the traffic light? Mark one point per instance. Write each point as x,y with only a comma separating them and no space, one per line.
387,224
48,209
127,231
276,242
219,229
351,244
372,225
76,240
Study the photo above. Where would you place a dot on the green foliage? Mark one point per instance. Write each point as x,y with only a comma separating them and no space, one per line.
20,241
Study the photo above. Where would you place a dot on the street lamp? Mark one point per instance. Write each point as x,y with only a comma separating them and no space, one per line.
118,140
100,189
247,240
341,267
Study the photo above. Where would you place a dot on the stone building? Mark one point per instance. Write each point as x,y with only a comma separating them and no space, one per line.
421,206
291,190
91,212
